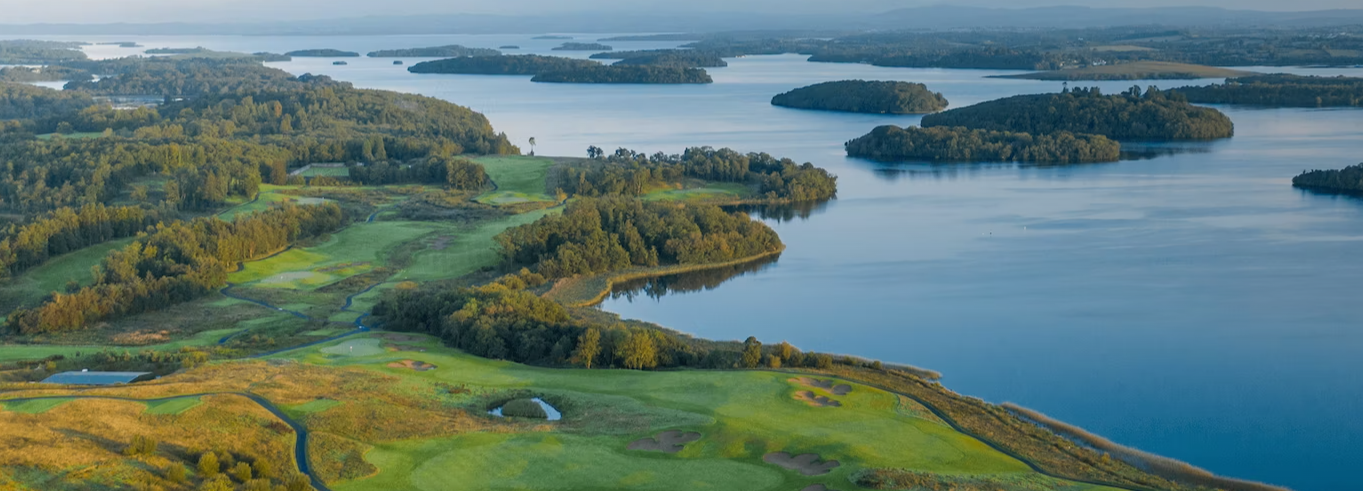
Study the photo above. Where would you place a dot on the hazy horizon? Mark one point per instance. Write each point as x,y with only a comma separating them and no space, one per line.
235,11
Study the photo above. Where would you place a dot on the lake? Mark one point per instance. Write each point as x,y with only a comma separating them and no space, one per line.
1190,303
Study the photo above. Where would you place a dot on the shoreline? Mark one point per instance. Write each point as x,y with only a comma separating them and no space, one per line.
561,293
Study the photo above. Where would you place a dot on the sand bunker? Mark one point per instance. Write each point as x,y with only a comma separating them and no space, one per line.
807,464
817,487
419,366
441,242
816,400
828,385
671,441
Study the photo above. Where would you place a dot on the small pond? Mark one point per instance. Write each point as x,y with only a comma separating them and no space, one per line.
553,414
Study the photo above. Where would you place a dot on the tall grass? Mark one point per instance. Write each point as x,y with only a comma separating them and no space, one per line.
1161,466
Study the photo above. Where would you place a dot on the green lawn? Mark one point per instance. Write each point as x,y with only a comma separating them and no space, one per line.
519,179
79,135
315,406
13,352
326,171
31,286
467,251
33,407
713,191
742,415
356,249
173,406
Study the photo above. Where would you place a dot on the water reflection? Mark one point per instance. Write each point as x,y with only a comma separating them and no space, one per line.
783,212
709,279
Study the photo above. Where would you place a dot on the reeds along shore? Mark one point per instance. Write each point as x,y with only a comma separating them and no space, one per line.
1165,467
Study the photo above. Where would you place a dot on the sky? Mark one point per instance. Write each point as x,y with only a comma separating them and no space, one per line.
150,11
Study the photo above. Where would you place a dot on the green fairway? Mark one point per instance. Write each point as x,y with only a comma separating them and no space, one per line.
34,407
467,251
741,415
12,352
34,284
519,179
315,171
173,406
315,406
82,135
356,249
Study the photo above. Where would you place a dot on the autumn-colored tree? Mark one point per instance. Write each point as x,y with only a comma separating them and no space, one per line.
588,346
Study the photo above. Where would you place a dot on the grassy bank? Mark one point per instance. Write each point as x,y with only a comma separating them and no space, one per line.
591,290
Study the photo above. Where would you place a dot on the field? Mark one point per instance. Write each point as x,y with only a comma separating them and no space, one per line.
32,285
519,179
315,171
361,403
1140,70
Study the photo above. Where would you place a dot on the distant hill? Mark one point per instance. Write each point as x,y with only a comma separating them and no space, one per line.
1140,70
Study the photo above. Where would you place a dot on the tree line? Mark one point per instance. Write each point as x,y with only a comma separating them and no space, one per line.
625,74
447,51
681,58
892,143
455,173
501,65
173,264
1348,179
502,320
631,173
67,230
861,96
606,234
1132,115
22,101
1281,90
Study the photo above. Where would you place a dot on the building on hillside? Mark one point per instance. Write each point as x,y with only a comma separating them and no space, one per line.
86,377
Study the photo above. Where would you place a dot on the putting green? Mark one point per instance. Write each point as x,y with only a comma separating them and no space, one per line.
355,347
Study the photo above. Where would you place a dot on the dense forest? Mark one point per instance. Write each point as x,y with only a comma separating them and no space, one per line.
583,47
630,173
1348,179
1281,90
323,53
626,74
684,58
23,101
607,234
501,65
1131,115
52,73
175,51
176,263
185,77
943,144
860,96
30,52
448,51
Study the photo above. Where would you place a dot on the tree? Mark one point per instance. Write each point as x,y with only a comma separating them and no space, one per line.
140,445
532,146
638,351
216,483
176,473
773,361
299,482
263,469
208,464
588,346
241,471
752,353
785,351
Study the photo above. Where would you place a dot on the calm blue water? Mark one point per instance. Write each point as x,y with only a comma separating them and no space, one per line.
1194,304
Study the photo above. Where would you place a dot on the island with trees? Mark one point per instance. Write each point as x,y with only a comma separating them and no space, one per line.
861,96
502,65
625,172
322,53
1346,180
448,51
955,144
1132,115
1280,90
625,74
31,52
583,47
552,37
685,58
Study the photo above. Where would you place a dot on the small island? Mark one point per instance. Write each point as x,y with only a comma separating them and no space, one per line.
1136,70
1346,180
502,65
1281,90
583,47
176,51
1132,115
509,46
892,143
552,37
449,51
322,53
616,74
861,96
121,44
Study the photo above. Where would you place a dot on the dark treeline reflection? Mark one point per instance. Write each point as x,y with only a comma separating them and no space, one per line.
785,212
1148,151
695,281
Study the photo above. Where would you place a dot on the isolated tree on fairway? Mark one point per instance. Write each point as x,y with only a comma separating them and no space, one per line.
588,346
752,352
532,146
